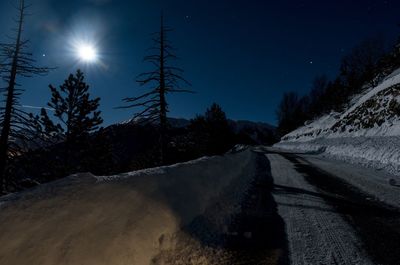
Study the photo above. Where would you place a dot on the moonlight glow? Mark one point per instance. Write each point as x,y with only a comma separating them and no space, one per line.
87,52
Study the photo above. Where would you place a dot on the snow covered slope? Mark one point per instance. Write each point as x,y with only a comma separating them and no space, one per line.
368,132
123,219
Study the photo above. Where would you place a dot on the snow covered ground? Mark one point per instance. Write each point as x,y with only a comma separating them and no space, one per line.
251,206
368,132
373,182
316,233
335,212
125,219
374,152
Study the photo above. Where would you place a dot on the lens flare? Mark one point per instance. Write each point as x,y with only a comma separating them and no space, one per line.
87,52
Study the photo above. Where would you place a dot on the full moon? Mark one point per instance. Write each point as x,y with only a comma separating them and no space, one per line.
87,52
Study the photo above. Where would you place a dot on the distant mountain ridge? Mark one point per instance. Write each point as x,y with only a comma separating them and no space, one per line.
259,132
183,122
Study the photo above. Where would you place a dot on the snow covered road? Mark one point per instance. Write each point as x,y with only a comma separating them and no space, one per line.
259,206
330,221
316,233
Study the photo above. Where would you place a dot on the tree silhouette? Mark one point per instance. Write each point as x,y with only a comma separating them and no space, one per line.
74,109
165,79
219,129
361,65
210,134
288,113
15,62
78,117
316,95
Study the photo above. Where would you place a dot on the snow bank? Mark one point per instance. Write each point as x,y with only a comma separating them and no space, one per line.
314,129
123,219
375,152
368,132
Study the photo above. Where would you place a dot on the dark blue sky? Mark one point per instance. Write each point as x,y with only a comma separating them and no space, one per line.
243,54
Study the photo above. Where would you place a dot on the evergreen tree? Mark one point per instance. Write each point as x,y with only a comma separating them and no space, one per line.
198,142
211,134
216,116
165,80
78,114
78,117
220,133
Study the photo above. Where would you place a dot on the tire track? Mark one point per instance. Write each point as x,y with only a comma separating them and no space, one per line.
254,236
375,223
258,229
316,233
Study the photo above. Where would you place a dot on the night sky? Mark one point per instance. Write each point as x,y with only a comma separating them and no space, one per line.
242,54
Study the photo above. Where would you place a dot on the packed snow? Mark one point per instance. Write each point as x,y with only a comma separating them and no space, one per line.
376,183
316,233
125,219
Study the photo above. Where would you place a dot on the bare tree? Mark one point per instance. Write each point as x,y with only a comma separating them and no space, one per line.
164,79
15,62
361,65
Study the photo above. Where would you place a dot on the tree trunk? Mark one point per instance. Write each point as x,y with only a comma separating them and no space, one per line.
163,103
5,132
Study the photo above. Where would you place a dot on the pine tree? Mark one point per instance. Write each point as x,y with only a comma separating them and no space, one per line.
78,117
215,115
74,109
220,133
15,62
165,80
211,133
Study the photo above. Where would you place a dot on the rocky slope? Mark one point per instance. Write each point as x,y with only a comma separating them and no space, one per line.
367,132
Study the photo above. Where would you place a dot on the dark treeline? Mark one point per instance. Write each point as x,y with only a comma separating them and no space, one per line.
365,66
37,148
136,145
122,147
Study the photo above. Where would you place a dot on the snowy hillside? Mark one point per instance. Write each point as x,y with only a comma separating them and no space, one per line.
124,219
368,132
